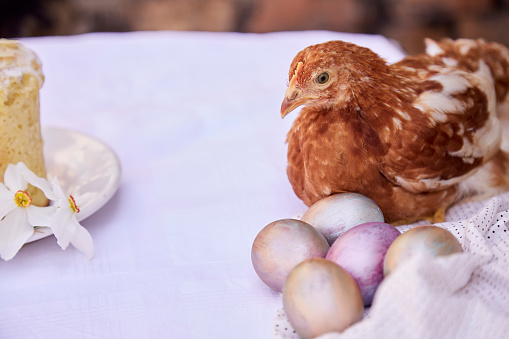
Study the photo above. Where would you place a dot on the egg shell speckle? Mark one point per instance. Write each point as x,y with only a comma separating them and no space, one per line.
361,252
337,213
320,297
283,244
429,239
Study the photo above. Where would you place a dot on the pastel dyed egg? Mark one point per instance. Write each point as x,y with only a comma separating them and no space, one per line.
283,244
320,297
361,252
430,240
337,213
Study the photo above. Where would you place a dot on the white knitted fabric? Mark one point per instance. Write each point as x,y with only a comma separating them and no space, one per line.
465,295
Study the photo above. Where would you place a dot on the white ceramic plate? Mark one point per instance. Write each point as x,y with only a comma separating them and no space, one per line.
85,167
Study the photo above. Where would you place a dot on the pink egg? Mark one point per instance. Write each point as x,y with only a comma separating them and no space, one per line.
283,244
337,213
361,251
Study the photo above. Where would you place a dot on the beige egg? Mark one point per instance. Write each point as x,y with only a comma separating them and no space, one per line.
283,244
430,240
336,214
320,297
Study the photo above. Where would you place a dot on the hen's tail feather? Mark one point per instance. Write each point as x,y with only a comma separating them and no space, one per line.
493,177
488,181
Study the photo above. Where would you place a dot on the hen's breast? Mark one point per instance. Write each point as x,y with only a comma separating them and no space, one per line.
328,154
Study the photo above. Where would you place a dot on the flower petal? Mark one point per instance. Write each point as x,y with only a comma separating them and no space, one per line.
60,198
13,179
7,203
38,182
14,232
63,225
40,216
82,240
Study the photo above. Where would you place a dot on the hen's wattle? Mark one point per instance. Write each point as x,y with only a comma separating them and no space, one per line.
415,136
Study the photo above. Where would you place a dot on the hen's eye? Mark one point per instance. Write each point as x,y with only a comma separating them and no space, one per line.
322,78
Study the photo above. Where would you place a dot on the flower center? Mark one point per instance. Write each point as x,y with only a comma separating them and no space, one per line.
74,207
22,199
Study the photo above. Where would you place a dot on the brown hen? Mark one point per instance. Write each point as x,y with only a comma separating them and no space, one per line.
415,136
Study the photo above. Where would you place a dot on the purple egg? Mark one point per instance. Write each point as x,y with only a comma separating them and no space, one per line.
361,252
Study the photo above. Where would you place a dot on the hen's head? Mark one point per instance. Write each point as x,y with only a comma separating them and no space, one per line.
329,74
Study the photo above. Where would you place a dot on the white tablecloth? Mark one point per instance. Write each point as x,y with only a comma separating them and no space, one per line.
194,119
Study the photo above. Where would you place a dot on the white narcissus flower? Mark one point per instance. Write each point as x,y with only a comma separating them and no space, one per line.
64,225
17,214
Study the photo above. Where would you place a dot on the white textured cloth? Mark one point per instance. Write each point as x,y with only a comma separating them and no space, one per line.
465,295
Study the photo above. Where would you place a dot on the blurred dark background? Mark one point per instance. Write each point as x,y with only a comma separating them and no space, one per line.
406,21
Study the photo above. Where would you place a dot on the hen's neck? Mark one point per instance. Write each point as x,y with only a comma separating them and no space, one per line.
375,98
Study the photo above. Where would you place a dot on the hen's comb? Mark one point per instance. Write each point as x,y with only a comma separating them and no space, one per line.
300,64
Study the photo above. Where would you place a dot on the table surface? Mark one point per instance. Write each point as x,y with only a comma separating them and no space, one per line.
194,120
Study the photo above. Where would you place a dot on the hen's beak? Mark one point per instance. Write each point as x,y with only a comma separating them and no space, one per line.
293,99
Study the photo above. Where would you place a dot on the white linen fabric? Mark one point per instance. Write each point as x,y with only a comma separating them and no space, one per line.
194,119
464,295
